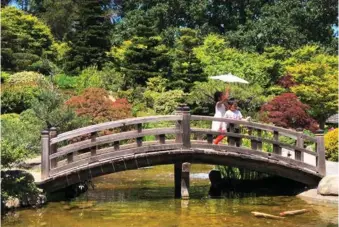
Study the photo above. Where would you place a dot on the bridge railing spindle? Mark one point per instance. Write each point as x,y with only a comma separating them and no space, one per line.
184,126
276,147
299,155
253,142
139,139
231,140
259,142
320,148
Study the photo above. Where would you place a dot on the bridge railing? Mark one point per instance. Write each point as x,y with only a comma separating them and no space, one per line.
91,145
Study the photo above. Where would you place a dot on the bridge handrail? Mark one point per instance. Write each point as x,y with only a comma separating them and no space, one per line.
238,135
52,155
286,132
112,125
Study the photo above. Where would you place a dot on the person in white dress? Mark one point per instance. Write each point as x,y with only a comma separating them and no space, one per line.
220,99
231,113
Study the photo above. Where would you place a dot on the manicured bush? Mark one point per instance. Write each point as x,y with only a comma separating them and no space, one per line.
89,78
331,145
21,89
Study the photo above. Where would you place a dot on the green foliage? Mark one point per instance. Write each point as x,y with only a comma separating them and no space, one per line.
4,77
162,101
88,39
20,137
331,145
316,76
89,77
20,90
25,40
186,67
65,82
18,184
50,109
217,58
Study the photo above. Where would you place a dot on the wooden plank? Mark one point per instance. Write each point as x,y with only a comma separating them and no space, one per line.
320,148
110,138
231,139
254,138
210,138
109,154
53,147
45,163
250,152
186,129
113,124
254,125
259,140
276,147
162,138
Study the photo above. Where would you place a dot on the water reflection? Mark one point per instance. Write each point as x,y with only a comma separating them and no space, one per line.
145,198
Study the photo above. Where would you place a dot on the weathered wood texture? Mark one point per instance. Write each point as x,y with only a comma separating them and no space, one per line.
61,159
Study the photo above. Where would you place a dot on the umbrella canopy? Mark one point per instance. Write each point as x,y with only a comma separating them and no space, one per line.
229,78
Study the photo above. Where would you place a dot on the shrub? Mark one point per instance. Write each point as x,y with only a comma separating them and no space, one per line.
22,88
287,111
27,77
89,77
99,106
331,145
20,137
65,82
4,77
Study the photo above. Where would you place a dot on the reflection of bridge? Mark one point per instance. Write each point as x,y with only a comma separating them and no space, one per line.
88,152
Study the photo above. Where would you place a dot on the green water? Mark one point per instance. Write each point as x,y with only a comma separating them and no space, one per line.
145,198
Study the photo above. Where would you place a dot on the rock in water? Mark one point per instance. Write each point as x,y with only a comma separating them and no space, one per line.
329,185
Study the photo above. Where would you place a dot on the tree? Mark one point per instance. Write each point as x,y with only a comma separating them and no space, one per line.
89,38
186,67
218,58
287,111
25,40
99,106
316,78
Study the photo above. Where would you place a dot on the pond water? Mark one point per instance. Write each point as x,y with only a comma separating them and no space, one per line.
145,198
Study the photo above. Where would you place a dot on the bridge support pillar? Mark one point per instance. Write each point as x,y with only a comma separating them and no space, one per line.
182,180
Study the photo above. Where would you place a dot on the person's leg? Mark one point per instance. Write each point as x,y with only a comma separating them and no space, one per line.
218,139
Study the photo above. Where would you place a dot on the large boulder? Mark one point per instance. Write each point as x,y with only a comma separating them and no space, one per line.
329,185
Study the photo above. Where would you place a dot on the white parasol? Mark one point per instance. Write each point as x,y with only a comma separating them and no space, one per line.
229,78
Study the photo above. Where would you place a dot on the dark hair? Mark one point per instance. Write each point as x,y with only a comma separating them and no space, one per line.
231,101
217,96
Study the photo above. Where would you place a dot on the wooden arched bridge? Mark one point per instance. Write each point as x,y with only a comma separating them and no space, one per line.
88,152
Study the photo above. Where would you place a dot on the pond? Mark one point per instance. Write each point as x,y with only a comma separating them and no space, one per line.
145,197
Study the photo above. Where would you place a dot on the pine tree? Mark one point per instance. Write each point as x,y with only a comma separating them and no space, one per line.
147,56
89,39
186,67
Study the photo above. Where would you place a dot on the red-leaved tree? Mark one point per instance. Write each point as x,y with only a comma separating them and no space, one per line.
287,111
286,81
96,104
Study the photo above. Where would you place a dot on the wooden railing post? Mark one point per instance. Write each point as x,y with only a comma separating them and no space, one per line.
299,155
320,148
53,147
231,140
184,126
45,154
276,148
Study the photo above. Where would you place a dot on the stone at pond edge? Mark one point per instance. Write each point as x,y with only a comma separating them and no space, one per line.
329,185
